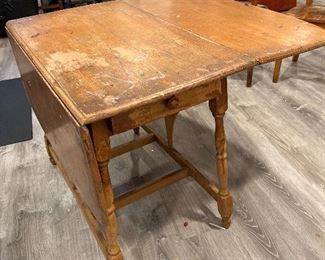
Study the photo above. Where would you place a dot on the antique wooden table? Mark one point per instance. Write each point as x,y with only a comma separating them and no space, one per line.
96,71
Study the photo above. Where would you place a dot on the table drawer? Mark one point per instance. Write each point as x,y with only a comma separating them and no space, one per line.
162,108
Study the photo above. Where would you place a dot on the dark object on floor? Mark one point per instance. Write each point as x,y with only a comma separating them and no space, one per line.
13,9
48,6
15,113
54,5
74,3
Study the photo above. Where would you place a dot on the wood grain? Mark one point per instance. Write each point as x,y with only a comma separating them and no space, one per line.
70,141
257,33
45,223
131,58
167,47
147,113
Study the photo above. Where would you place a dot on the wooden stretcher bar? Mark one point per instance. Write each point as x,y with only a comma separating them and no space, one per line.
99,143
207,185
141,192
187,170
132,145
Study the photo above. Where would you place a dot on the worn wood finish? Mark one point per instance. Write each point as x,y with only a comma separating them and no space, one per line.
99,146
255,32
101,133
70,141
157,66
127,75
101,139
263,42
166,107
308,12
169,123
200,50
275,216
218,107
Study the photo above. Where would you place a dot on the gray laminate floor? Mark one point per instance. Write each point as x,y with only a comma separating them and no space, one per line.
276,138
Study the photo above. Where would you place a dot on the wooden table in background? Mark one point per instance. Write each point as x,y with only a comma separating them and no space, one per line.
96,71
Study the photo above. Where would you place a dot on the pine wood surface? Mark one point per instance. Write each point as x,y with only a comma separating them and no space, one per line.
258,33
308,11
277,168
166,46
116,57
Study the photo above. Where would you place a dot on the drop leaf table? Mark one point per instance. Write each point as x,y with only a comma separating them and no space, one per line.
96,71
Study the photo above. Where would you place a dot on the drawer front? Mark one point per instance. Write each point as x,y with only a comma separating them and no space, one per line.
162,108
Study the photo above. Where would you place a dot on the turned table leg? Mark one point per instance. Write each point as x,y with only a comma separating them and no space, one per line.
218,108
101,139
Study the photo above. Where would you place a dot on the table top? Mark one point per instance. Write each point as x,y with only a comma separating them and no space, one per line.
261,34
107,58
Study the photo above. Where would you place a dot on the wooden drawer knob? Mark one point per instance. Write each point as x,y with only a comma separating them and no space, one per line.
173,102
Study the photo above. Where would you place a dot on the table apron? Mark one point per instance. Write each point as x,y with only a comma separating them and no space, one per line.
165,107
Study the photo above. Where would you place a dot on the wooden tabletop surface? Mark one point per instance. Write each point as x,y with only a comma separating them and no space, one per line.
261,34
107,58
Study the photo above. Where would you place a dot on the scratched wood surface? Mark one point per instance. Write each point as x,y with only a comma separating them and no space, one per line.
69,140
111,57
256,32
115,56
277,178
